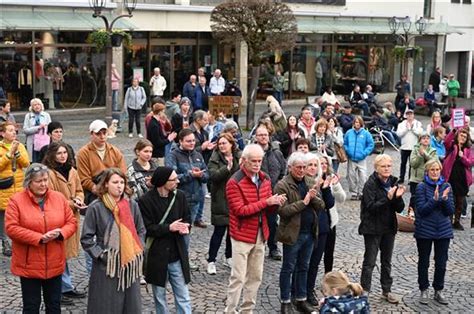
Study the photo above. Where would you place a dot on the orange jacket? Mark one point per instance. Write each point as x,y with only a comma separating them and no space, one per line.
26,222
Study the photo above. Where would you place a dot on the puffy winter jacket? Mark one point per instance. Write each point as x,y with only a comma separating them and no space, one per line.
439,146
248,205
26,222
417,162
433,216
358,144
6,171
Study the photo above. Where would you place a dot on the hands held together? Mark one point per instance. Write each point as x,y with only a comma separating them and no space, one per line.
444,195
179,226
397,191
50,235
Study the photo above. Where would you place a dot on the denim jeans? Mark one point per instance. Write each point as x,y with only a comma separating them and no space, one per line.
88,259
296,260
182,300
216,240
278,96
3,234
66,283
115,94
200,209
441,247
315,259
374,243
31,294
272,227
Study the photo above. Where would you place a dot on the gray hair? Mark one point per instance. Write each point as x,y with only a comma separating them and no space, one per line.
32,172
251,150
35,101
230,125
199,115
297,157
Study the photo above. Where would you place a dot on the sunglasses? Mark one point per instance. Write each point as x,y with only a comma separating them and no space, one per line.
39,168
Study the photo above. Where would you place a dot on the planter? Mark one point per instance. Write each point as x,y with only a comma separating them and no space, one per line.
116,39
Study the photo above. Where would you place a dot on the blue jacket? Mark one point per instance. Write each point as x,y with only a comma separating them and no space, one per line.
439,146
189,91
200,100
345,304
358,144
346,121
432,218
182,162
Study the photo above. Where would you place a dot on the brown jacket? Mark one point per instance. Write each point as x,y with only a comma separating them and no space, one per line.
6,171
290,212
90,165
71,189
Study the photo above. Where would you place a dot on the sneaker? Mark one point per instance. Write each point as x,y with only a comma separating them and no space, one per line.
130,135
275,255
424,297
463,215
304,306
391,298
438,296
193,266
140,135
200,224
354,197
142,280
66,301
228,262
6,248
211,268
457,225
208,195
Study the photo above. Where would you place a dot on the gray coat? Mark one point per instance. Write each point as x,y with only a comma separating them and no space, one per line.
103,296
30,129
135,98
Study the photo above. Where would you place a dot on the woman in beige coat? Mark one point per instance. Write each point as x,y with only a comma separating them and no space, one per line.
64,179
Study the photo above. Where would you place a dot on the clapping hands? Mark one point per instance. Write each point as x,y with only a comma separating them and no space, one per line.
50,235
179,226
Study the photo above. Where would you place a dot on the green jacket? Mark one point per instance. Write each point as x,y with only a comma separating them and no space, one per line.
453,88
417,162
290,220
277,83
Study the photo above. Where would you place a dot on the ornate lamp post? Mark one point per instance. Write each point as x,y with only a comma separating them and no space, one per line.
98,6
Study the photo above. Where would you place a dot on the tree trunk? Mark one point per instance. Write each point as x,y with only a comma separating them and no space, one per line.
252,97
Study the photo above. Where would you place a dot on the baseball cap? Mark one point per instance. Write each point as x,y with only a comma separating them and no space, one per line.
409,111
97,125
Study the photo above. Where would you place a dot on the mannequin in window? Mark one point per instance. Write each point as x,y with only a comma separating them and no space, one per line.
48,84
25,85
57,85
39,78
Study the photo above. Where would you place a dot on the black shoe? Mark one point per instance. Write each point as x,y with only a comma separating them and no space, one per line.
275,255
74,294
200,224
312,299
66,301
457,225
400,181
6,248
304,306
286,308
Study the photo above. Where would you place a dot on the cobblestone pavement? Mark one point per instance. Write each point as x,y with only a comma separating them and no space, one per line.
209,292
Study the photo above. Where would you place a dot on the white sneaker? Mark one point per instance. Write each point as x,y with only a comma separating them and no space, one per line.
130,135
228,262
142,280
211,268
208,195
140,135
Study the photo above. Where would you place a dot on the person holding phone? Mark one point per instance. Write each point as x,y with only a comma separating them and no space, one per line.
64,179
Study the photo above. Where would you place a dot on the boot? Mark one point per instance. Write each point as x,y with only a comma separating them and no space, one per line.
286,308
304,306
6,248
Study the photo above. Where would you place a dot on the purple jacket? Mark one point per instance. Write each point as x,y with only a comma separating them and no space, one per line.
451,153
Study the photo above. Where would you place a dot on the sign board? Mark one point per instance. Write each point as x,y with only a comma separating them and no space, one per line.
457,118
138,74
229,105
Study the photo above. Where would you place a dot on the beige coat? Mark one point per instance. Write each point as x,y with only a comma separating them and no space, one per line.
71,189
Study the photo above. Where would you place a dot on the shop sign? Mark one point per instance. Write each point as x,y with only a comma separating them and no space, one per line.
229,105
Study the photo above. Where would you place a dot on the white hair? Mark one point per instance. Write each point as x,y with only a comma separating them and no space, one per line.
36,101
314,156
252,150
297,157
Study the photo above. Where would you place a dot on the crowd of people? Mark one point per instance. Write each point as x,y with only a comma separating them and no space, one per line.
282,187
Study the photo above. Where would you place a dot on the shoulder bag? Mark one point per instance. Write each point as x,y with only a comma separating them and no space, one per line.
340,153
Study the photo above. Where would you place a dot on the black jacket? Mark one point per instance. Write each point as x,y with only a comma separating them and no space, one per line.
155,135
177,123
157,258
274,164
377,212
285,141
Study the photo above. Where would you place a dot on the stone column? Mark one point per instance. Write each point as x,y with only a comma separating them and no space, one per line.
241,71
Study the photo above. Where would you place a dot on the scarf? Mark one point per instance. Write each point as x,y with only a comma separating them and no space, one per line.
63,169
124,248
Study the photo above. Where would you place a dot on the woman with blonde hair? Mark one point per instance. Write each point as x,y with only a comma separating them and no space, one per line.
35,125
342,296
320,140
435,122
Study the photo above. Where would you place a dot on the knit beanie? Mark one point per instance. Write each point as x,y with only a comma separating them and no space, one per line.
161,176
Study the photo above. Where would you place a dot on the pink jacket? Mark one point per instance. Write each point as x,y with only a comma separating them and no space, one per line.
451,153
115,79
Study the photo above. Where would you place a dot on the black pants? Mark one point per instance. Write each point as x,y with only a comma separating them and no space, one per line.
272,226
216,240
31,294
329,251
316,256
413,186
374,243
405,154
134,116
441,247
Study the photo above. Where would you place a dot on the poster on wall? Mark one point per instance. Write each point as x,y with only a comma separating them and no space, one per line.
207,61
138,74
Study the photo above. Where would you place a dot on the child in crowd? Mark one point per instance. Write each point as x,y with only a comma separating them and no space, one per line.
342,296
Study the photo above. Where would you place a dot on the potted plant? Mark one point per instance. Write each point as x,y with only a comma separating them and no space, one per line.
119,36
400,53
101,39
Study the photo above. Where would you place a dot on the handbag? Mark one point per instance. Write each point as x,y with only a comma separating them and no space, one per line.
340,153
6,183
40,140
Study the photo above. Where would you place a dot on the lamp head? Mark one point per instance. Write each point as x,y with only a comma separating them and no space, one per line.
130,5
97,6
421,25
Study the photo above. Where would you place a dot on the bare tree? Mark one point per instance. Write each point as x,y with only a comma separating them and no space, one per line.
264,25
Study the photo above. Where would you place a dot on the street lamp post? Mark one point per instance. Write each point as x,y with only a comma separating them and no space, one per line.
98,6
405,37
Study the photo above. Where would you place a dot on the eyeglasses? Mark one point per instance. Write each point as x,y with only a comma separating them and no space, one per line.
39,168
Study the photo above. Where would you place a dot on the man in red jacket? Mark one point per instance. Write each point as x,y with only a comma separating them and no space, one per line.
249,197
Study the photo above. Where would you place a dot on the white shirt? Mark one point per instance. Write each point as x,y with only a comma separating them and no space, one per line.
158,85
217,85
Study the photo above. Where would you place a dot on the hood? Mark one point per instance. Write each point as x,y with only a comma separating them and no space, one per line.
346,304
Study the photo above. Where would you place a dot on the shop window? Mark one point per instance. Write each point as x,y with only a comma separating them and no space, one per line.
350,67
427,8
15,37
466,1
351,38
314,39
455,1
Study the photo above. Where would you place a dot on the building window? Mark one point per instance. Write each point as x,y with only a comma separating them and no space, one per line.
466,1
427,8
455,1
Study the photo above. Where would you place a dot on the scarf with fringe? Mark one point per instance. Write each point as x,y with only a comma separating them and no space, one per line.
124,248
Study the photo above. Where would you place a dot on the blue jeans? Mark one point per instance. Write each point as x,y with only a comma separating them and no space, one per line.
88,259
296,258
316,257
66,283
31,294
441,247
200,209
182,299
272,227
278,96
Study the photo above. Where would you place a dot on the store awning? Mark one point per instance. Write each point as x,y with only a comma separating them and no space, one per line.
363,26
56,20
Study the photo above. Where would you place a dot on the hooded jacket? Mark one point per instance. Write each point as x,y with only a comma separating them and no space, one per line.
358,144
417,162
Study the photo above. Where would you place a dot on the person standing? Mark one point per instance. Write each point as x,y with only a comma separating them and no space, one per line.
189,89
435,79
5,111
56,133
403,87
13,159
298,230
381,200
278,83
113,235
135,98
453,90
358,144
434,206
167,220
201,95
249,197
217,83
115,79
318,71
184,117
35,123
38,220
223,164
172,105
140,171
408,132
159,133
288,136
157,84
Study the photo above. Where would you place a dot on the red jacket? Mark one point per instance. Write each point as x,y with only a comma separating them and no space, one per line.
25,224
248,205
